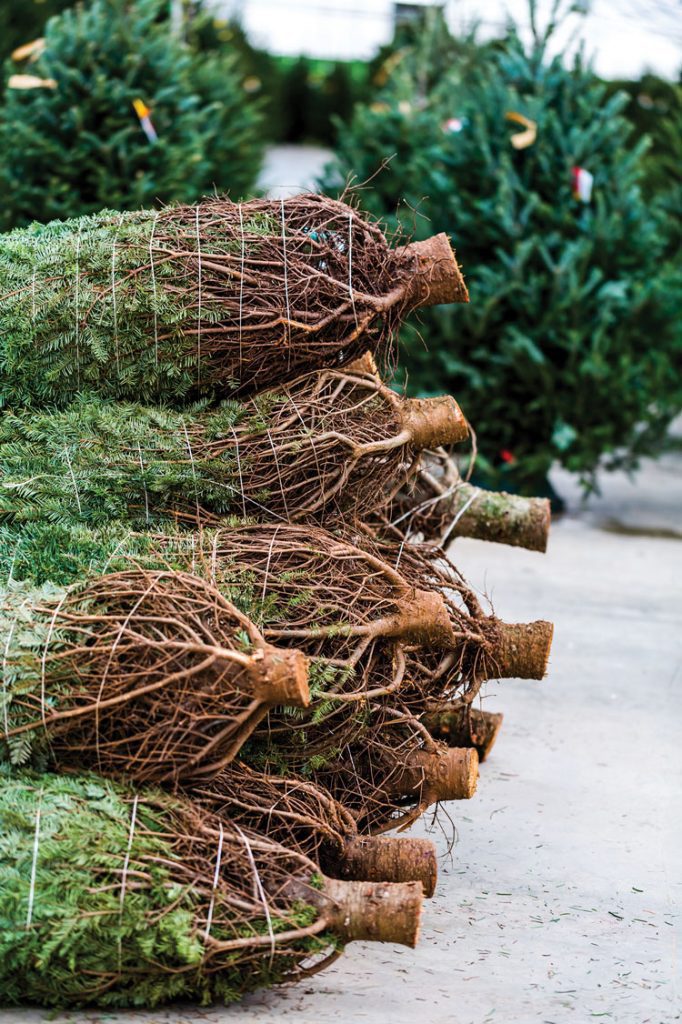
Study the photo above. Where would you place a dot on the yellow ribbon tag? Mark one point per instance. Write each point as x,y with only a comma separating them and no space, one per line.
522,140
32,49
141,109
30,82
143,112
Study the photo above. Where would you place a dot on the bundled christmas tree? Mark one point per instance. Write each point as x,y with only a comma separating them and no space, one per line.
215,298
168,901
569,348
121,113
329,444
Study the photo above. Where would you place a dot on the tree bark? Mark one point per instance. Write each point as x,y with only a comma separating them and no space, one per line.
463,726
390,859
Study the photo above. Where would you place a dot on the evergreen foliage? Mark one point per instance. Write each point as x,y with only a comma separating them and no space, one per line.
114,915
72,149
569,348
98,462
26,636
53,276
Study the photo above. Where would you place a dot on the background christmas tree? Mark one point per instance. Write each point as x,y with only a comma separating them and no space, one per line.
76,143
568,349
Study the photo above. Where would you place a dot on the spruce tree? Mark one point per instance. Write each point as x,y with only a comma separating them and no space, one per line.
77,144
568,349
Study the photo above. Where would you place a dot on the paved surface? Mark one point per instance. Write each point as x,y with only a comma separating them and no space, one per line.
561,901
291,169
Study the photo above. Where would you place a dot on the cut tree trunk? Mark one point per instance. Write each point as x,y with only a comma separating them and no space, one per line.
464,726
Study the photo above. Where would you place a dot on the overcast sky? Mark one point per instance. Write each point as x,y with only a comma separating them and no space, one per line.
624,37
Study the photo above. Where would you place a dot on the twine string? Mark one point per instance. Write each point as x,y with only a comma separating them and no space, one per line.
114,647
144,484
77,302
113,292
214,559
5,656
216,877
239,468
426,504
126,861
259,891
34,862
241,279
286,281
12,564
33,304
153,273
73,480
194,471
279,476
199,272
267,571
43,660
124,878
116,550
350,268
453,524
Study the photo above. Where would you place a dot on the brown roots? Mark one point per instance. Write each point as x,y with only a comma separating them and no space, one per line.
334,599
303,816
148,673
389,772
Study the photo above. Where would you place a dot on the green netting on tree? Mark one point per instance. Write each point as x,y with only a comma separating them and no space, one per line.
333,442
116,898
206,300
76,145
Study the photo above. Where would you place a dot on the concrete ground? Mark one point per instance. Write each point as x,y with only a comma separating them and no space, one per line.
560,902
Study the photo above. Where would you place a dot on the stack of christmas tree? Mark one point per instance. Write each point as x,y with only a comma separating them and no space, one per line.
234,652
